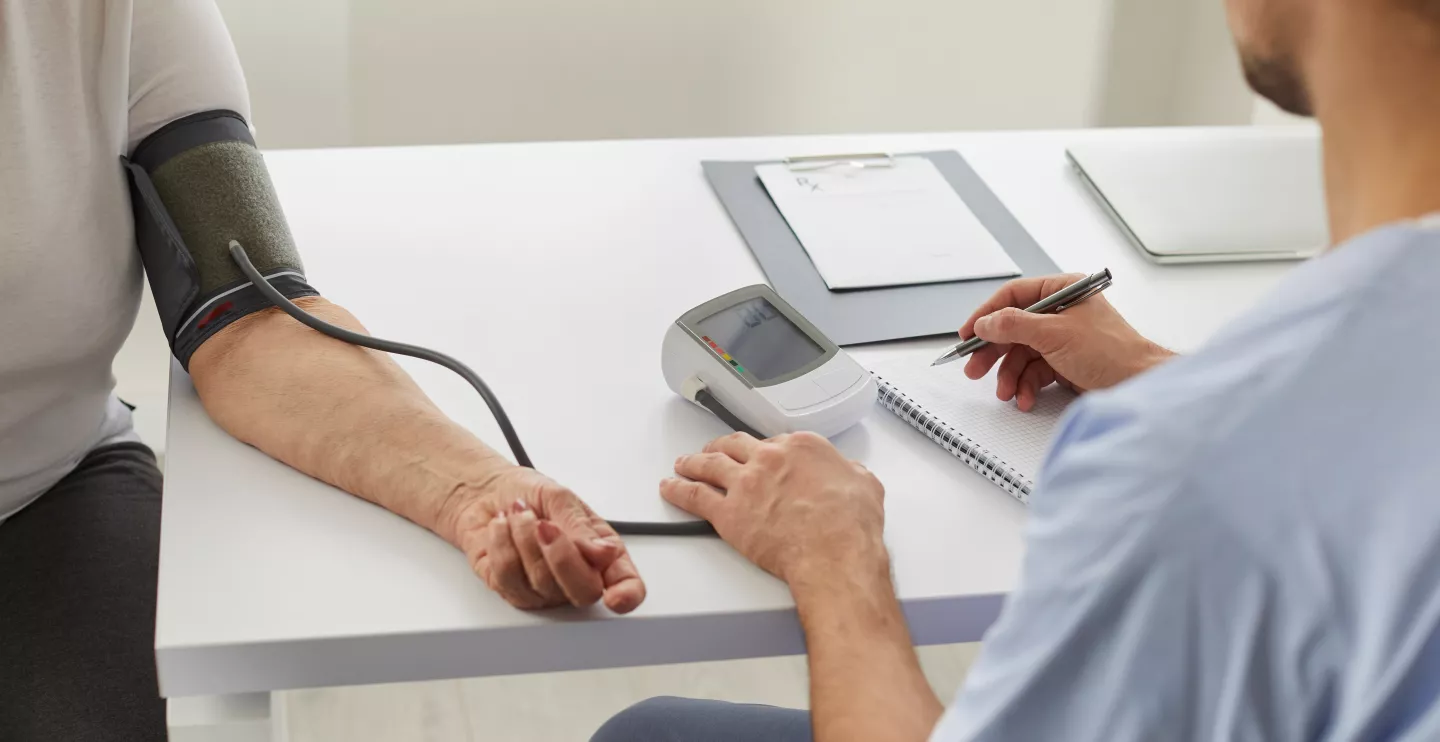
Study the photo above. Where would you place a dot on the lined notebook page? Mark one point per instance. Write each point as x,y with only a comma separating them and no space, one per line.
1020,439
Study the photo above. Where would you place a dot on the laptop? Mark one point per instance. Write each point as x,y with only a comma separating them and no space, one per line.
1218,196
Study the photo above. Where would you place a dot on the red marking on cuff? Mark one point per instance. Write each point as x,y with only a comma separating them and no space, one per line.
215,314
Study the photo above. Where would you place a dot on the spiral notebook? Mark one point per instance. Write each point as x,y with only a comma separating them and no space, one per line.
965,418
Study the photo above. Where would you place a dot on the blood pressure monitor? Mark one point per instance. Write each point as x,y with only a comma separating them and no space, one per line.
749,355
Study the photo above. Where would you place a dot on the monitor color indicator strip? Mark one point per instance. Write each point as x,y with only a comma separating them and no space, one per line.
723,354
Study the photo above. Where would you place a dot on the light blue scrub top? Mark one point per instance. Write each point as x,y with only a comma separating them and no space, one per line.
1243,544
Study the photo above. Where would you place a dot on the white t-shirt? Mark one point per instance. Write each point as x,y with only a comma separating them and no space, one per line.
81,83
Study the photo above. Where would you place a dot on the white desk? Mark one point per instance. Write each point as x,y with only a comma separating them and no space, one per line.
554,269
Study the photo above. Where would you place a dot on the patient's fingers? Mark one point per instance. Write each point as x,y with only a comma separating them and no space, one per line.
503,570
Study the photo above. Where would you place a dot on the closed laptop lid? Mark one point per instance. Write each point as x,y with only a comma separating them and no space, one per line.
1217,192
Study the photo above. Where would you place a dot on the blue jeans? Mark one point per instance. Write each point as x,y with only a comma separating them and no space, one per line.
688,720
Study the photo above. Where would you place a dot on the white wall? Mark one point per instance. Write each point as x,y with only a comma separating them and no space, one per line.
1170,63
1210,87
334,72
296,55
458,70
1266,113
1139,63
379,72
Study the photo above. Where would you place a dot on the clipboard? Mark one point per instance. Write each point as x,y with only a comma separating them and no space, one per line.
869,315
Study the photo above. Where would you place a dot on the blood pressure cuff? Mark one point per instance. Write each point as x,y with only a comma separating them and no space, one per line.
195,185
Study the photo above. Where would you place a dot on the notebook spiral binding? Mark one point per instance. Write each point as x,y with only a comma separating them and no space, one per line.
961,447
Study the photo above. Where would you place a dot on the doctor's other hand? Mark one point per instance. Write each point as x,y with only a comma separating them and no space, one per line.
538,545
793,505
1089,346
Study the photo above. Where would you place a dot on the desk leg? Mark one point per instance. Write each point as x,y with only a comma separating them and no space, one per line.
244,717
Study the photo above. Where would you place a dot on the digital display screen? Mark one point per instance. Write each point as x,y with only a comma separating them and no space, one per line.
760,339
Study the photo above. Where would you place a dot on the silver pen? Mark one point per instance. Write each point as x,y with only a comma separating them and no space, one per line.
1056,302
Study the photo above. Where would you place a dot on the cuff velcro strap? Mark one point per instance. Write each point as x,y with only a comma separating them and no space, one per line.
196,184
219,311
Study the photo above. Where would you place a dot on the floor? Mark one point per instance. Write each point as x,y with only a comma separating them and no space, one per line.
559,707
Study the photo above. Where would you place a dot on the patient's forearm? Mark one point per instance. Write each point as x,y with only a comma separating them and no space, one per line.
342,414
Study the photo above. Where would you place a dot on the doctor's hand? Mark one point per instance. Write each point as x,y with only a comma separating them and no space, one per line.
1089,346
539,546
792,505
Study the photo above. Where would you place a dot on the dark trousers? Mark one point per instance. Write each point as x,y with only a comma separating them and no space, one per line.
77,606
689,720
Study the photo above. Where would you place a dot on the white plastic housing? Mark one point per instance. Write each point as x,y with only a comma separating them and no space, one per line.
826,401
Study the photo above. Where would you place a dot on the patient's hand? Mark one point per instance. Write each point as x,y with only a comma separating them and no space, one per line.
1089,346
538,545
